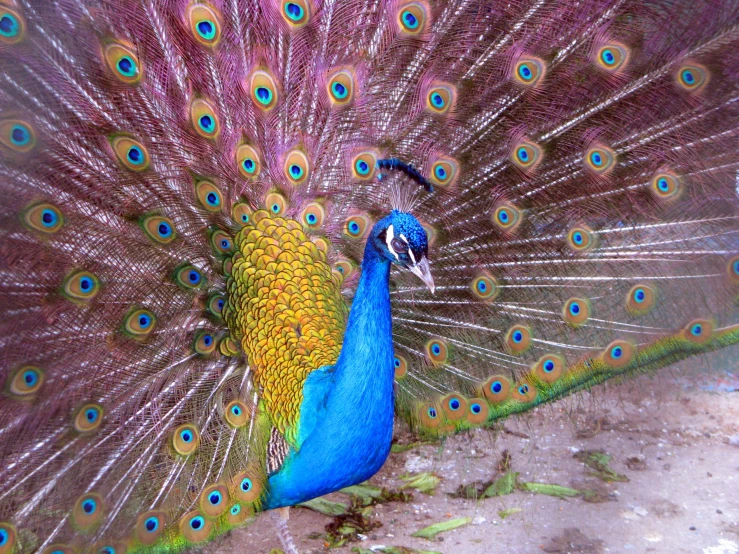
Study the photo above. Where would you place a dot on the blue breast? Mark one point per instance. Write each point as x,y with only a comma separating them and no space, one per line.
346,418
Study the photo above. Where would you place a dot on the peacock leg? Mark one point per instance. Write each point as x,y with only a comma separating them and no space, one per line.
280,516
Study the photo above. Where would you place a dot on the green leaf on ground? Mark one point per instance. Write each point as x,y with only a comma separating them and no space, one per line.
393,550
423,482
396,448
366,494
502,486
431,531
325,507
509,512
550,490
599,460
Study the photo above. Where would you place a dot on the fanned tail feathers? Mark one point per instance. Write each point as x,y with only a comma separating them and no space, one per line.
584,225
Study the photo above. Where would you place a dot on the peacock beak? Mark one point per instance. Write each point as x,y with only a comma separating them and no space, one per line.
422,271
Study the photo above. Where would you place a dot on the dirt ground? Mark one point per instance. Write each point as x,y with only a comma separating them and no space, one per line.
673,438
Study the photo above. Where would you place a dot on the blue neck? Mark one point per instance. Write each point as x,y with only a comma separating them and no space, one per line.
348,409
368,337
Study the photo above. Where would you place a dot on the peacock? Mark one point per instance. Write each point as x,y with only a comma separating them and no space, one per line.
239,237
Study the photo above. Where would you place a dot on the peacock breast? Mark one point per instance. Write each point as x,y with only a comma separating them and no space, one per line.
284,307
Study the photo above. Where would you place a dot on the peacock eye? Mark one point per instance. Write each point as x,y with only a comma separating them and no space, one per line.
399,245
205,24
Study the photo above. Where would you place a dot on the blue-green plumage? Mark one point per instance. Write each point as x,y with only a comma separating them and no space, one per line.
346,418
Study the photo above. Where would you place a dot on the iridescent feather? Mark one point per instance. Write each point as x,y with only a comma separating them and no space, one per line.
202,201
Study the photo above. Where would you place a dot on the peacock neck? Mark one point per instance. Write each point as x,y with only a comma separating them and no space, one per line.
368,336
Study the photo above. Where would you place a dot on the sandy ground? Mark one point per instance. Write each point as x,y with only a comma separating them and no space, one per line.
675,442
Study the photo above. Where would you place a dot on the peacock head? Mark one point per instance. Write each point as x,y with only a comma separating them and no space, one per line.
400,238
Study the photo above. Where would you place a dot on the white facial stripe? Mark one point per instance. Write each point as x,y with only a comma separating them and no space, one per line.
410,252
389,236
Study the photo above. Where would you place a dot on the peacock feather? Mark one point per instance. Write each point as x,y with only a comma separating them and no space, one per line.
216,213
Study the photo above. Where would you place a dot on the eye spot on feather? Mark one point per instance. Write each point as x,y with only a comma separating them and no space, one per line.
698,331
313,215
221,242
149,527
26,381
17,135
477,411
214,500
205,24
345,267
194,527
666,185
357,226
45,218
124,63
216,303
364,165
732,270
692,77
247,161
401,366
440,98
529,71
159,228
429,416
12,27
8,536
581,239
236,414
524,392
600,160
549,368
88,511
209,196
454,406
612,57
640,299
238,514
484,287
444,171
139,323
275,203
88,418
205,343
507,218
296,167
246,487
618,354
412,18
131,153
437,351
296,12
526,155
518,339
185,439
241,213
496,389
81,285
189,277
204,119
263,90
576,311
340,87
